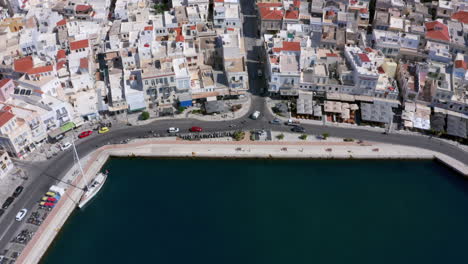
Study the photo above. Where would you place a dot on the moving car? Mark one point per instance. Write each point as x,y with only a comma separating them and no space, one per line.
65,146
291,122
275,121
298,129
85,134
255,115
196,129
103,130
21,214
18,191
8,202
173,130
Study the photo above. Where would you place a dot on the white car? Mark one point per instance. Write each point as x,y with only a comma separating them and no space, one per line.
173,130
21,214
65,146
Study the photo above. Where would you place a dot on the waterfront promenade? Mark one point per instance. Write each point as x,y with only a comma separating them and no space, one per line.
172,147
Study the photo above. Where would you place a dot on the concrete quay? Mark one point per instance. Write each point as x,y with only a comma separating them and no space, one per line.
172,147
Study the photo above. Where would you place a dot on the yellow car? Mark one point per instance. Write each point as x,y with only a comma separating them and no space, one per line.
103,130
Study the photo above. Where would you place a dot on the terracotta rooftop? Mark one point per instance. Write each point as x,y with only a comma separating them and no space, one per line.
438,31
84,63
458,64
292,14
271,11
60,64
461,16
289,46
179,36
23,64
61,54
83,8
62,22
80,44
4,81
5,116
40,69
363,57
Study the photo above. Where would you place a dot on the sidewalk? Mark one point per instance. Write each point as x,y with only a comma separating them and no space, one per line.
245,102
270,104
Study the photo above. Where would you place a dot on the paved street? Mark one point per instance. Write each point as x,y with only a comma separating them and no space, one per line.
43,174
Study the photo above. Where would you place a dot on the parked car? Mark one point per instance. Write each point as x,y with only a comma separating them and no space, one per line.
8,202
21,214
275,121
173,130
298,129
103,130
85,134
18,191
196,129
65,146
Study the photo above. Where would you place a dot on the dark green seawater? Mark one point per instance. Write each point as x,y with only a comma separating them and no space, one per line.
265,211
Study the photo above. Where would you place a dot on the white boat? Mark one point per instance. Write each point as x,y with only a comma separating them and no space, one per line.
92,189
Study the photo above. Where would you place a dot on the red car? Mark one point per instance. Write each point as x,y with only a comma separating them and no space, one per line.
196,129
85,134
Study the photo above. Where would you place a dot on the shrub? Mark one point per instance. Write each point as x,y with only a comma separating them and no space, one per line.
325,135
348,140
303,136
145,115
238,135
280,136
180,109
235,108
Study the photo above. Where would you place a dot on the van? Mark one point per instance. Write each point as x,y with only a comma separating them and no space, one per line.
255,115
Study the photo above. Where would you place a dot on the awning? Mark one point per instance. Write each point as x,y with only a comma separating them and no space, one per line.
54,133
67,126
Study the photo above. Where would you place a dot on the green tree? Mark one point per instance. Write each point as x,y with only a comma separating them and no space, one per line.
303,136
280,136
325,135
145,115
160,8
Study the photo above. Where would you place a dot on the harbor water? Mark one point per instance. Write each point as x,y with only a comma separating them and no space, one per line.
270,211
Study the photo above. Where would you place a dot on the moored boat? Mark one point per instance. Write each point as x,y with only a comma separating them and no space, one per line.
92,189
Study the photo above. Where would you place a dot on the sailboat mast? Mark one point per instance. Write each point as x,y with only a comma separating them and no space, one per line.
78,160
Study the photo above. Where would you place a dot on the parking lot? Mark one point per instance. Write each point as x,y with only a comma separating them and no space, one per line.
29,225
